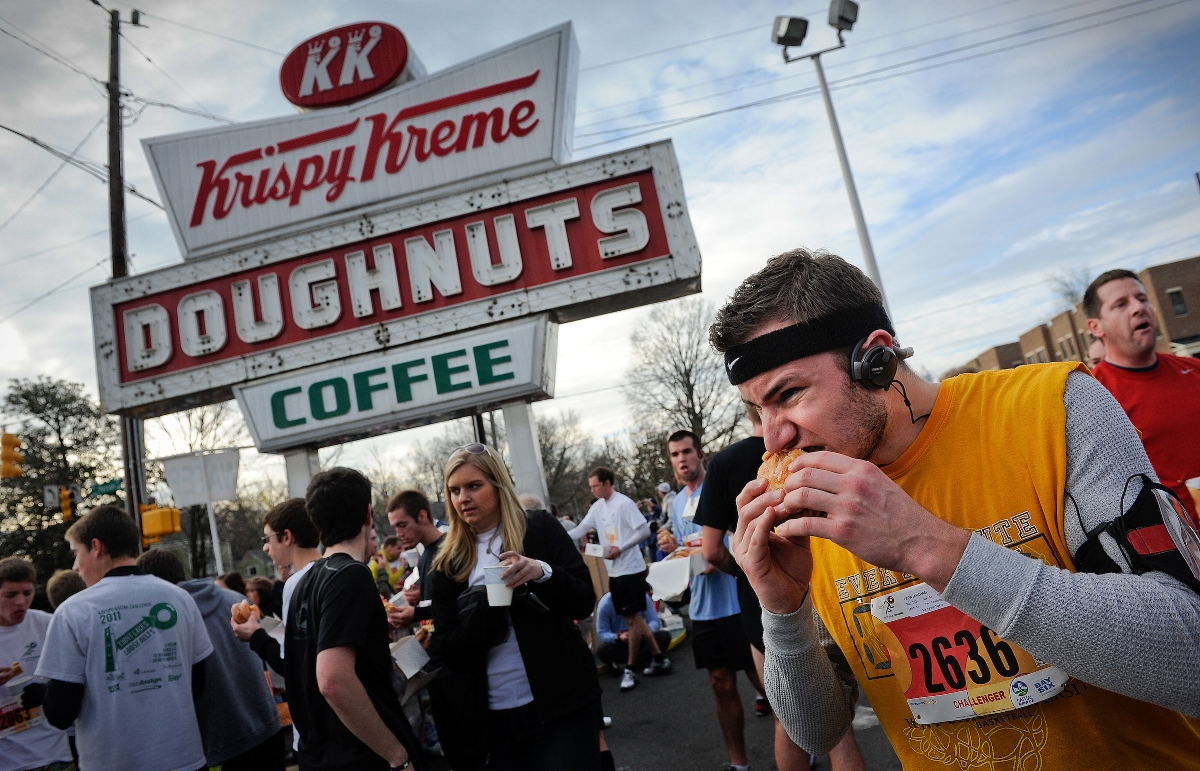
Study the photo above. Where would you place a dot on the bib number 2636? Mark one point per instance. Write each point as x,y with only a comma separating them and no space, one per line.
952,667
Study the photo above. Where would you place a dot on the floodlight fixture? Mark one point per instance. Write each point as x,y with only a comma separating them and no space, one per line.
843,14
789,30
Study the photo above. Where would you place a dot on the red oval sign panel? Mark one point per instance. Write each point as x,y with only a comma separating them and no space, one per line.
343,65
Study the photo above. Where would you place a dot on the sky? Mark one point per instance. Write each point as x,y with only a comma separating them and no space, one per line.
995,145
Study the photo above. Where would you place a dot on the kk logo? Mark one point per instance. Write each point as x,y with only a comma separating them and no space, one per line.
356,62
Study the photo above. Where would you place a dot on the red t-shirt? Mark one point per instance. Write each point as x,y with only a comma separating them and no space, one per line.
1163,403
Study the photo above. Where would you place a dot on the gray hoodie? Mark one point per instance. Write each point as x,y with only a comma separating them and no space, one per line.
237,711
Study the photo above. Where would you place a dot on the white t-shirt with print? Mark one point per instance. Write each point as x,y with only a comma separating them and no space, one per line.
40,744
289,588
615,520
132,641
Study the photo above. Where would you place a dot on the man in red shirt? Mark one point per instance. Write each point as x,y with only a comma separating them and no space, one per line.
1159,392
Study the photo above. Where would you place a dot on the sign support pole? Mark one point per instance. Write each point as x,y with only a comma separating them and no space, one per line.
300,464
212,521
523,449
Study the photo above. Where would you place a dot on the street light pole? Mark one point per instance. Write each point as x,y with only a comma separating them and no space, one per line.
864,238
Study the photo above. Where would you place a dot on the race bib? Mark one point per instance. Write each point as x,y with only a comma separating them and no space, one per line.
689,510
610,535
13,717
952,667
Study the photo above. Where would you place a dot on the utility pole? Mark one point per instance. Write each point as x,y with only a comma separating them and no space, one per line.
132,436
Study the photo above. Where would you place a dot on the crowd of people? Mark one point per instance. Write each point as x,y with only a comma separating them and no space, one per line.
1006,563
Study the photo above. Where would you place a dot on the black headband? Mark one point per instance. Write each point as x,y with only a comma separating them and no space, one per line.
840,329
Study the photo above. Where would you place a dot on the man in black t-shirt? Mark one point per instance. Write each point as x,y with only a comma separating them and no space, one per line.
339,667
728,472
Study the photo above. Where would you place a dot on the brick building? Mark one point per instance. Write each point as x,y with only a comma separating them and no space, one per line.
1037,347
1175,288
1004,356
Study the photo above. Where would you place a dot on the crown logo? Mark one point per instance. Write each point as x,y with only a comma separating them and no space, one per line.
356,37
314,49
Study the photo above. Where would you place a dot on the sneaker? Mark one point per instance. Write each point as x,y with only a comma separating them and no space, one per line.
629,681
762,707
656,667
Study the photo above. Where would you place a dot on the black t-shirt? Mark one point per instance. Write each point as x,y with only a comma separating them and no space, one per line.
728,472
336,604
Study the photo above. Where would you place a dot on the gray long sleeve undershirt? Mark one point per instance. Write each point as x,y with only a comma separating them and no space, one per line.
1135,635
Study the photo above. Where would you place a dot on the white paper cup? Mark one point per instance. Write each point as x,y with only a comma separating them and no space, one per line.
412,557
1193,486
499,595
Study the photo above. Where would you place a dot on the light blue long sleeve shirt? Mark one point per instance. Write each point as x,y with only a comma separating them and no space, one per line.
609,624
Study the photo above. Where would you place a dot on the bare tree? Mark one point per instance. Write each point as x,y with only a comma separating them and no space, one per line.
677,381
427,460
566,449
1070,285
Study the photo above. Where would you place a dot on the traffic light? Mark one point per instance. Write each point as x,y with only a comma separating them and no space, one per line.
10,459
67,503
157,522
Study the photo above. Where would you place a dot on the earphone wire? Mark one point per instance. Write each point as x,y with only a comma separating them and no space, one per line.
907,403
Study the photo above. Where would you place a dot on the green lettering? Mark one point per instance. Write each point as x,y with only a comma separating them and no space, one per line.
442,371
279,408
485,364
404,379
363,387
341,398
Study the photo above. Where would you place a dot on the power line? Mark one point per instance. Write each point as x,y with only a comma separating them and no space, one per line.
165,74
866,41
209,32
53,174
646,128
910,61
48,249
615,62
43,296
53,57
186,110
97,170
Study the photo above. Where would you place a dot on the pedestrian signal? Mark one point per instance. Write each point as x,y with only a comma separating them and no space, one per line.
10,459
157,522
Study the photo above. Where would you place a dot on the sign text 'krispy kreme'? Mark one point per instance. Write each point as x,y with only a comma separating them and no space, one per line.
236,185
346,64
579,240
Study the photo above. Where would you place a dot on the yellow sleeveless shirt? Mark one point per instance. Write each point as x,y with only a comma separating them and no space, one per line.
992,458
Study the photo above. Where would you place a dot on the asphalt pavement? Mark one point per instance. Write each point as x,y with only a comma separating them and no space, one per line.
670,721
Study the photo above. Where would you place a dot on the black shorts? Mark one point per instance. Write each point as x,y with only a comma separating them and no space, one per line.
721,644
628,593
751,613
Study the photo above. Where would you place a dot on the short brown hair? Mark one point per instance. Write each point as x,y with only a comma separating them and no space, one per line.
682,434
603,474
1091,296
18,570
412,503
110,526
162,563
62,585
291,515
391,540
794,287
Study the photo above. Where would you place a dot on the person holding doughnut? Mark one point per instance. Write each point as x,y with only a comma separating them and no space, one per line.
533,689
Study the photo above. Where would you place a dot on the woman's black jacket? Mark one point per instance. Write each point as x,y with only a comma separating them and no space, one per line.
558,663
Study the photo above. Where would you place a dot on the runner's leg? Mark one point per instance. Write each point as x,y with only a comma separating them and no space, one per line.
730,713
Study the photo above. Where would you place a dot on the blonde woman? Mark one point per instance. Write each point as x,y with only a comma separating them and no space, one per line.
532,687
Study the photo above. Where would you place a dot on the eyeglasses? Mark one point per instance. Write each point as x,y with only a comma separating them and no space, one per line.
474,448
267,538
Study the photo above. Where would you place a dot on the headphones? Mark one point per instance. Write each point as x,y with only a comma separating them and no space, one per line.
874,368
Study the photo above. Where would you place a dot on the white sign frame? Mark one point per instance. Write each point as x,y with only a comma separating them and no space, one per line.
664,277
532,365
173,158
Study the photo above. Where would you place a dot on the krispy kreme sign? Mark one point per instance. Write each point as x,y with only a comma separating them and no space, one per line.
579,240
512,109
